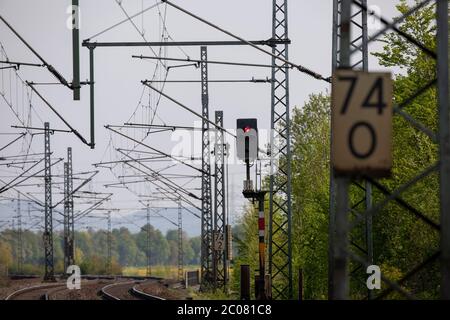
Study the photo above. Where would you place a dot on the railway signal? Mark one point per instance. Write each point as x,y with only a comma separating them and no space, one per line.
247,150
361,120
247,146
247,139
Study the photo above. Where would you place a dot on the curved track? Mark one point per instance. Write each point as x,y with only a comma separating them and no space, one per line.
39,292
119,291
143,295
126,291
88,291
122,289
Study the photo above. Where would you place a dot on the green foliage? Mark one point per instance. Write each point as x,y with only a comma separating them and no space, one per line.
401,240
310,180
6,257
128,250
246,242
408,241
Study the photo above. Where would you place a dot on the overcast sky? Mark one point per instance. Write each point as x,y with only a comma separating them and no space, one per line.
119,91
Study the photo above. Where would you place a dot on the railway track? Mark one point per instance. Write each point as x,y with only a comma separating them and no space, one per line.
53,291
119,291
38,292
122,289
126,291
143,295
88,291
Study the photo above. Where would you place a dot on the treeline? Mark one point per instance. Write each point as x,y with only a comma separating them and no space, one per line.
402,241
127,250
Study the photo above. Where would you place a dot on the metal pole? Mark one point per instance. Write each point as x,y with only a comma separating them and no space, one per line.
180,242
19,237
271,42
300,284
358,19
76,49
365,37
443,63
280,248
245,282
149,268
66,218
219,205
109,243
369,233
367,184
206,221
92,99
70,217
261,294
332,200
48,217
340,272
14,240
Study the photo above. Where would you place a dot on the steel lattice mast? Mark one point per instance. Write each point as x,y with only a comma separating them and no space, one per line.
359,60
48,218
66,217
19,236
206,223
219,261
69,256
339,240
443,64
71,221
180,242
109,244
280,219
341,253
148,253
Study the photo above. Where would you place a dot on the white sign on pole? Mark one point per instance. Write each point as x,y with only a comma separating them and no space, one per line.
361,121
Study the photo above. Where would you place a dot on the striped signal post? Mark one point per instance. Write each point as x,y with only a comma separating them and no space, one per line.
261,285
260,281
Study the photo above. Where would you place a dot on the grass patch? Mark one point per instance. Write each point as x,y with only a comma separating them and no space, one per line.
162,271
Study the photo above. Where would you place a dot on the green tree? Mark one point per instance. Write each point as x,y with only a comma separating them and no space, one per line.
408,241
195,244
401,241
310,181
6,258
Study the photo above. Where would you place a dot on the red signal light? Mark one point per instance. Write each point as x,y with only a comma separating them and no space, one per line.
247,129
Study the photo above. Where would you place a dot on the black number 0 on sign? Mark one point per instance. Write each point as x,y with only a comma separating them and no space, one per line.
361,121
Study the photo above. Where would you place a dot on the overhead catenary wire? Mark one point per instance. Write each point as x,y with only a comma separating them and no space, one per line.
74,131
166,185
197,61
188,109
18,64
50,68
119,3
13,141
277,57
151,148
174,186
123,21
163,19
253,80
163,188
